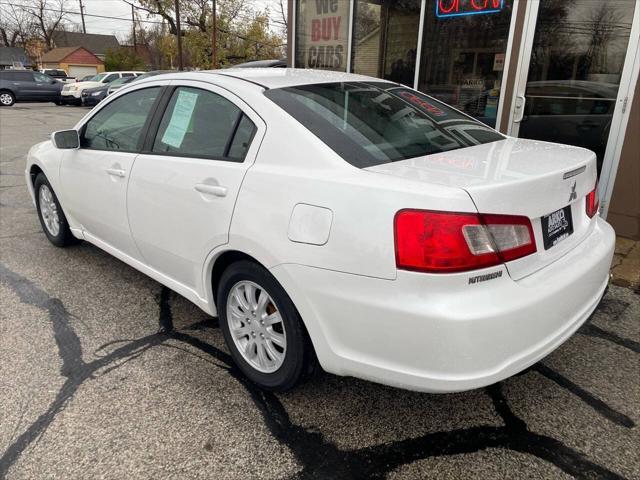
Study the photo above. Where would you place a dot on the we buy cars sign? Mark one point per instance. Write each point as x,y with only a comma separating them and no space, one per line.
326,27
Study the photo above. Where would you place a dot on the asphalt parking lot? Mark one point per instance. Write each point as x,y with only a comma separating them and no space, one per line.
104,373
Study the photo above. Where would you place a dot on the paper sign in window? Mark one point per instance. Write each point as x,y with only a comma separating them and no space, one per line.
180,119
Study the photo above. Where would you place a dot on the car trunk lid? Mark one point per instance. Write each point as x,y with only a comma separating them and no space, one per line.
517,177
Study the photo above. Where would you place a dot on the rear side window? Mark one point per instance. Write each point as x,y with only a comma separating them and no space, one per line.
373,123
242,139
119,124
20,76
110,78
198,123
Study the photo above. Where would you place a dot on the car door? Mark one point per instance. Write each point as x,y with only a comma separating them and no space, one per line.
183,187
23,85
46,87
94,177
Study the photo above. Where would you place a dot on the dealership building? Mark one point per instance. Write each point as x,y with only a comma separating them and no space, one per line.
563,71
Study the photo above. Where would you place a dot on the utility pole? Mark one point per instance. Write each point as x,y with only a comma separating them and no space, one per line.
214,52
84,27
133,23
179,35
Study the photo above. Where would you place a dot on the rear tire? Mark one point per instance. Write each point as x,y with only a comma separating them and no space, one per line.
7,98
266,337
52,218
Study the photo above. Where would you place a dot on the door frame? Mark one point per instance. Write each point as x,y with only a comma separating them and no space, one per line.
628,80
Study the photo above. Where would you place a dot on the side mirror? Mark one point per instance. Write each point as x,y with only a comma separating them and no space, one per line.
66,139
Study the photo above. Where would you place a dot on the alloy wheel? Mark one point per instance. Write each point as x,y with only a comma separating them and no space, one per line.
256,326
6,99
49,210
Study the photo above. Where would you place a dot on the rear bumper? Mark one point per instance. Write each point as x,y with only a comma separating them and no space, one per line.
439,333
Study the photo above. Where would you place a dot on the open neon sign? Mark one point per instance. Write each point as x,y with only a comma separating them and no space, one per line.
461,8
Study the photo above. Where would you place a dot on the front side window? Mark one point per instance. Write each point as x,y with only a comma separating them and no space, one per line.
119,124
374,123
40,77
202,124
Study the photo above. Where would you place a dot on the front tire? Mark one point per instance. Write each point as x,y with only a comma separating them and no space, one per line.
7,98
52,218
262,327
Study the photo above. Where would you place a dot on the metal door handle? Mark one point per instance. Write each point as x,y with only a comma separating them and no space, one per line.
217,190
116,172
519,108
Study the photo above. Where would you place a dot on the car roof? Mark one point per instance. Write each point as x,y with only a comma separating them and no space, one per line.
261,63
280,77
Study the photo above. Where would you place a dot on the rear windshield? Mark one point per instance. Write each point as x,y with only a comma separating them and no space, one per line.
373,123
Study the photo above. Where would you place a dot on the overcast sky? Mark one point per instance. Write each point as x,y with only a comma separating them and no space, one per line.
122,28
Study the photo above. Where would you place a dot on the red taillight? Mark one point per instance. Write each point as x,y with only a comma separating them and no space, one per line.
443,242
593,202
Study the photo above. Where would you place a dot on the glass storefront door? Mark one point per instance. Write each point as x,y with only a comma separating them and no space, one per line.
464,46
385,39
577,57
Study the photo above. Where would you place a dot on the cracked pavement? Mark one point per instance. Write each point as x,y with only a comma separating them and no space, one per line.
104,373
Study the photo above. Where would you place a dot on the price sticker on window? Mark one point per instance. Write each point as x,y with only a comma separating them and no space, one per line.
180,119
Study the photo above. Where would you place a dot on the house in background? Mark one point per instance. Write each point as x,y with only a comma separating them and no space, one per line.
14,57
94,43
76,61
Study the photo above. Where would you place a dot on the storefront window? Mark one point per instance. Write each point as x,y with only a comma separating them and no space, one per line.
577,58
322,30
463,54
385,39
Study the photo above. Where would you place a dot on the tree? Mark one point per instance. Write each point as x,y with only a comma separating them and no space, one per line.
16,25
242,32
47,17
123,58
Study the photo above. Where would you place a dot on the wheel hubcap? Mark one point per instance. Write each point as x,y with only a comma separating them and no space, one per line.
256,326
5,99
49,210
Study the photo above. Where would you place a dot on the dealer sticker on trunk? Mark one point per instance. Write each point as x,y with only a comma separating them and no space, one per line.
556,227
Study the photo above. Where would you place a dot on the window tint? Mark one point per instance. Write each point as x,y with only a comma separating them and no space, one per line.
127,74
119,124
40,77
242,139
198,123
21,77
374,123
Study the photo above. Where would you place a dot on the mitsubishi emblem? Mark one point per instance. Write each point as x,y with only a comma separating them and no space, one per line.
573,195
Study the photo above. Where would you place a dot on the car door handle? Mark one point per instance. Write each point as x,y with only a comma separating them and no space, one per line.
116,172
217,190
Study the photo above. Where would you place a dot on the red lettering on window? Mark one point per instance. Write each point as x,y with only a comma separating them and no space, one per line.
315,30
453,5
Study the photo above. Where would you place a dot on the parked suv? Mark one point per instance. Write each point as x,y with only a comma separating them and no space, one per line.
27,86
72,92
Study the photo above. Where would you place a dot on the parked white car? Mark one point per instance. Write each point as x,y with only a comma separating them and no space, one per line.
339,217
72,92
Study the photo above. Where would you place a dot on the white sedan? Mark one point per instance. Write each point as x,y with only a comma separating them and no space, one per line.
336,218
